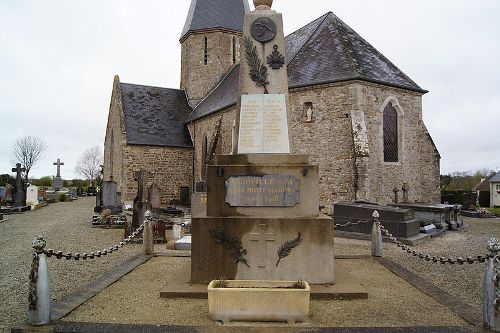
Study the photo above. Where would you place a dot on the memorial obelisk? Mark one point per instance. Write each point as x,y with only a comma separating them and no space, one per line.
262,220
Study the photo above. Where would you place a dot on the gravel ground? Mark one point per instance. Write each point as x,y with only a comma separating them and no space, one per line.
463,281
392,302
66,227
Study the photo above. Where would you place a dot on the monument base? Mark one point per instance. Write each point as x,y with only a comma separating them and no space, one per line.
250,248
346,286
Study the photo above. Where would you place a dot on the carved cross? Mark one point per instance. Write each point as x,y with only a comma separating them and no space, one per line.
58,163
262,234
405,189
18,170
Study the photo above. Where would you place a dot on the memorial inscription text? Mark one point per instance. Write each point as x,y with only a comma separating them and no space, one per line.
265,191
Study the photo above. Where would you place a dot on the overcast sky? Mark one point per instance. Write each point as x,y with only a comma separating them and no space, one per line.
58,59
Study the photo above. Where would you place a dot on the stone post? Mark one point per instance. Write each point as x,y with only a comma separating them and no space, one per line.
147,235
39,312
490,316
376,236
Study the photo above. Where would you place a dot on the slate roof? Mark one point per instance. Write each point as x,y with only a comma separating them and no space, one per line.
223,96
324,51
155,116
495,178
328,50
207,14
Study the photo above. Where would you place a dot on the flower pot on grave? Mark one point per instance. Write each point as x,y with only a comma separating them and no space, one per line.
258,300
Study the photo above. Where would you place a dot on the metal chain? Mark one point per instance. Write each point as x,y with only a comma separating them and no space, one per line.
32,297
496,281
427,257
59,254
349,224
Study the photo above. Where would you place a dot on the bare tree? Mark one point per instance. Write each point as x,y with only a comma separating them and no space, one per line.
28,151
89,164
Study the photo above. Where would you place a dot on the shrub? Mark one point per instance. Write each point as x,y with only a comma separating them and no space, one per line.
62,197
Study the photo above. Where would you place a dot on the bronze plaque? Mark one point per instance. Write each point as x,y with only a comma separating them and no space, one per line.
263,191
263,29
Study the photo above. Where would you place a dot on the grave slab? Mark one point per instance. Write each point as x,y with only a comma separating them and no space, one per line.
183,244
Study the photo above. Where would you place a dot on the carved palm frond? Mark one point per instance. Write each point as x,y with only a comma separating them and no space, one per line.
287,248
258,71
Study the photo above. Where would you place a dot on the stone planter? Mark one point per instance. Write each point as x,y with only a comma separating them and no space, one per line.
258,300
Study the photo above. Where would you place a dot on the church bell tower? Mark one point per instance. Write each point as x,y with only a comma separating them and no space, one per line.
210,44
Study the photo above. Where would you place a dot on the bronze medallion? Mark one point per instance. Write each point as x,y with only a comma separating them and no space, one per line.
263,29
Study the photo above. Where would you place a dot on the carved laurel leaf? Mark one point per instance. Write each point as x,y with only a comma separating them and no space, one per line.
287,248
258,71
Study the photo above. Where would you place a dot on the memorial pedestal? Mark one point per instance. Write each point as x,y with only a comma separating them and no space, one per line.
262,222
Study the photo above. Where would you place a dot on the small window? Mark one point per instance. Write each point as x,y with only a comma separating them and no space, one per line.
390,134
234,49
498,187
205,57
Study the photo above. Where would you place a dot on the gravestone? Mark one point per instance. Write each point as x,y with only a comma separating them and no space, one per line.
154,196
32,196
443,216
262,218
20,198
108,198
141,203
398,221
57,181
9,190
3,193
79,191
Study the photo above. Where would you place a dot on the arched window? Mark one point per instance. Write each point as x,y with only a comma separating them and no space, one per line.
390,134
234,49
205,56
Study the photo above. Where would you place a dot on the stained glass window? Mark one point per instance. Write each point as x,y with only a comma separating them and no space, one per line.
390,134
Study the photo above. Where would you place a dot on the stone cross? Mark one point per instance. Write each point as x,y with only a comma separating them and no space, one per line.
18,170
20,195
262,236
58,163
405,192
396,191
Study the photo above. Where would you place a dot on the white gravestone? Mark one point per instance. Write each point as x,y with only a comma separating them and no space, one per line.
263,125
32,196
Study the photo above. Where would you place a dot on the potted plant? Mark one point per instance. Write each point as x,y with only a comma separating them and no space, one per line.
258,300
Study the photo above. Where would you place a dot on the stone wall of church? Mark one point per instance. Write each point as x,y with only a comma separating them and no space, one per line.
205,127
172,168
326,136
418,164
198,78
115,138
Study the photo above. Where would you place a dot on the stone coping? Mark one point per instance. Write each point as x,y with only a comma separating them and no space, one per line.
262,159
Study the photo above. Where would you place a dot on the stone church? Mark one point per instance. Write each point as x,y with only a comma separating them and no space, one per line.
352,111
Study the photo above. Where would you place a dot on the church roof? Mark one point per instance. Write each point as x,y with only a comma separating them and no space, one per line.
224,95
212,14
155,116
324,51
328,50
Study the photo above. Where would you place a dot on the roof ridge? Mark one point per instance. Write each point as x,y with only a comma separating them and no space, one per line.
312,33
147,86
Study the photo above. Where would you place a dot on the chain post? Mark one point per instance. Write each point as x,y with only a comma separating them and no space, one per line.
147,235
39,293
376,236
491,288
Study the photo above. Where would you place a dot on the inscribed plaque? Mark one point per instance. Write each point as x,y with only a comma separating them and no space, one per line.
263,125
265,191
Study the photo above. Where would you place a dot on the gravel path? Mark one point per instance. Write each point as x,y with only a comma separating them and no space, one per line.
66,227
463,281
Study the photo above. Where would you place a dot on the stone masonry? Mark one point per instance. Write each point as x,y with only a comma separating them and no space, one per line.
197,78
347,173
